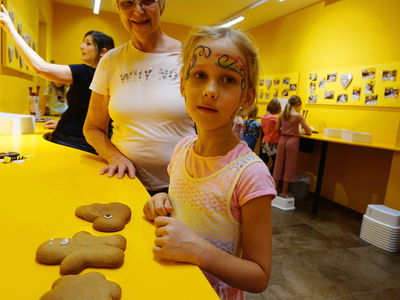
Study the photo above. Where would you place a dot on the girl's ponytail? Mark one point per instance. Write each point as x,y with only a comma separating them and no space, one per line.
293,101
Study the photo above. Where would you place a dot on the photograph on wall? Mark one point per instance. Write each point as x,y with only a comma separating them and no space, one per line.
261,82
389,75
391,92
346,79
10,53
293,87
276,81
19,27
342,98
286,80
371,99
313,76
12,16
261,95
268,82
369,87
356,93
368,73
285,93
311,89
312,99
329,95
266,95
331,77
276,93
321,84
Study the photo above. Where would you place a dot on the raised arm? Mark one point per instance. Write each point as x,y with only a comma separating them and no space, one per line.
95,130
53,72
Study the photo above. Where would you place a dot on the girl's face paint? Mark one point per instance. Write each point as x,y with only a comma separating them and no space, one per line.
215,84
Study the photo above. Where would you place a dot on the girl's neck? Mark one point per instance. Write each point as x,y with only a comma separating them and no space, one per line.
217,142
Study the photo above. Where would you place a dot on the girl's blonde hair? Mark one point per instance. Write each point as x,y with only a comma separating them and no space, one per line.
293,101
238,38
252,112
161,3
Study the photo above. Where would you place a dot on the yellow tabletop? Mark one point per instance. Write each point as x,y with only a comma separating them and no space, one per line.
38,200
377,145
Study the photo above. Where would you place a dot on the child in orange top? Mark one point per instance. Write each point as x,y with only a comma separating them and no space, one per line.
288,146
220,191
270,139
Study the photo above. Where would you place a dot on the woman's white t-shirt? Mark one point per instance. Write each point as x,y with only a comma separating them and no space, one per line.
147,110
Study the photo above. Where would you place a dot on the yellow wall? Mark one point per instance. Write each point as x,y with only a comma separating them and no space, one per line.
14,90
342,34
72,22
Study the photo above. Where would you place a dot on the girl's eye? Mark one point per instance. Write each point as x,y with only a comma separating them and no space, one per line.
228,80
200,75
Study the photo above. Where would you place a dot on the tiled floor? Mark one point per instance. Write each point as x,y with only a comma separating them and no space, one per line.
321,257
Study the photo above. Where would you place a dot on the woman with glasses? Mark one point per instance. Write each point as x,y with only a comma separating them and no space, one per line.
137,86
69,129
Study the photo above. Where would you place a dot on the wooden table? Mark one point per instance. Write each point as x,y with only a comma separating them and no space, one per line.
321,166
38,200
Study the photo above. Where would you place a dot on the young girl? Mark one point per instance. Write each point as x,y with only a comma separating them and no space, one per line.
53,101
288,146
271,137
251,127
220,192
238,123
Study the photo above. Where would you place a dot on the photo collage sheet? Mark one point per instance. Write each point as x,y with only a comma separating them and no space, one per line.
10,56
279,86
376,85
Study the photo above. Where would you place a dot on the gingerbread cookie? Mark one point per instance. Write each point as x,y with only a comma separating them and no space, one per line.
81,251
105,217
83,287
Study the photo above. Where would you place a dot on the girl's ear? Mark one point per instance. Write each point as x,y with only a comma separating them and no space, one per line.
182,87
249,97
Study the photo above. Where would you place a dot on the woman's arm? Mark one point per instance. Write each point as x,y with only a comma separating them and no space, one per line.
278,125
95,130
176,241
52,72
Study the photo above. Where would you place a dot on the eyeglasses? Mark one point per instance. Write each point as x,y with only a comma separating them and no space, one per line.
130,4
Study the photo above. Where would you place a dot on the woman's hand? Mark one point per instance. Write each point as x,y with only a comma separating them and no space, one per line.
158,205
50,124
5,20
119,165
177,242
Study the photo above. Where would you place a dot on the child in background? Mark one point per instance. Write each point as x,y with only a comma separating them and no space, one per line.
220,191
238,123
251,126
288,146
270,139
54,99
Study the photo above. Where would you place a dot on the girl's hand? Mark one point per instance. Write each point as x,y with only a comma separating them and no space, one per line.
158,205
5,20
177,242
51,124
119,165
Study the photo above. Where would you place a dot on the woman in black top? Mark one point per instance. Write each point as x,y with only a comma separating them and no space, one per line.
68,130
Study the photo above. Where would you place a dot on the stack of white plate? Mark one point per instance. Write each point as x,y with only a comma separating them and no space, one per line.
381,227
283,203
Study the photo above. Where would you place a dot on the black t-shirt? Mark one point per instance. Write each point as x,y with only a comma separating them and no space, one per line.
78,97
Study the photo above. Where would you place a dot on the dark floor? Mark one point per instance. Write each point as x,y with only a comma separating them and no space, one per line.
322,257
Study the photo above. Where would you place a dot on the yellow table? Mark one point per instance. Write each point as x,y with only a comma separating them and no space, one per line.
394,172
38,200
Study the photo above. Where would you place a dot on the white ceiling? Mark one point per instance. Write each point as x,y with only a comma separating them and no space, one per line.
213,12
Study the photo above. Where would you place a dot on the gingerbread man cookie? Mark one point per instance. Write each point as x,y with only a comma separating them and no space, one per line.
81,251
105,217
83,287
